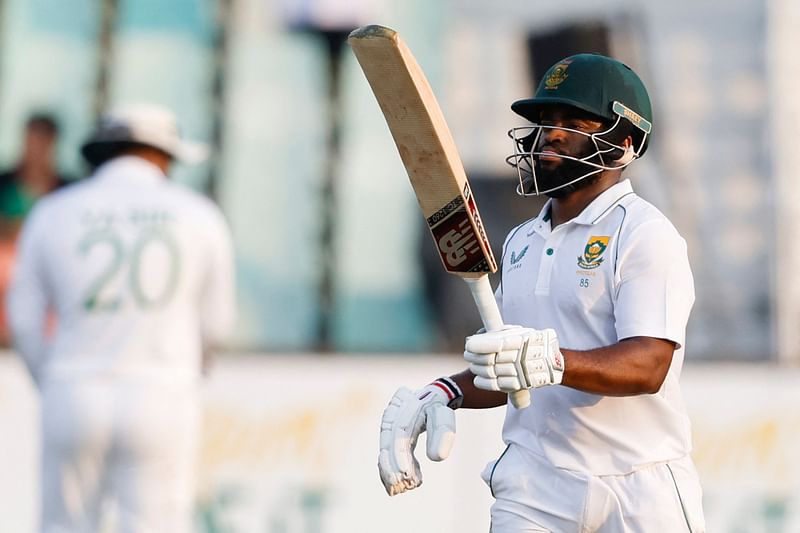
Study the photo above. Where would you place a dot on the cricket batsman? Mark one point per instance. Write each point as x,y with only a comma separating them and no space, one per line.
599,287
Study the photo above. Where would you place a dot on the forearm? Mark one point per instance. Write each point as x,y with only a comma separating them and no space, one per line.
632,366
475,398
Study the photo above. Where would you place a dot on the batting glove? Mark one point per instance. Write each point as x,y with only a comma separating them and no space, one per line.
514,358
407,415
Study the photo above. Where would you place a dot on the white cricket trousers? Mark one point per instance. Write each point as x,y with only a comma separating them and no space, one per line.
532,496
120,449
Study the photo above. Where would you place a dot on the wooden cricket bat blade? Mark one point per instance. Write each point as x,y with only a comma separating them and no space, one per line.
432,163
427,149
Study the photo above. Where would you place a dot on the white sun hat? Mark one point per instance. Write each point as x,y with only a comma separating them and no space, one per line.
147,124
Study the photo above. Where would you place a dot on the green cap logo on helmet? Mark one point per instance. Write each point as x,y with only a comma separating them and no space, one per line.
557,75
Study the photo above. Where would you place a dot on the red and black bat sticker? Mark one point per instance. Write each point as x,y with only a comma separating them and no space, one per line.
456,237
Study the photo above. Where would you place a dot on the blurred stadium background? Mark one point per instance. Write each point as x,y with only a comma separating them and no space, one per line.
340,298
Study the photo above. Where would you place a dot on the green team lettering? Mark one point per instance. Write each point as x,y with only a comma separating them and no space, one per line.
134,260
109,239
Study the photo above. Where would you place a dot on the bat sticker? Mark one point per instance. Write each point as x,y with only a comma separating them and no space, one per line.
456,238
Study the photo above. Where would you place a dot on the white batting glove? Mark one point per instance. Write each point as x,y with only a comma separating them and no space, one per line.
407,415
514,358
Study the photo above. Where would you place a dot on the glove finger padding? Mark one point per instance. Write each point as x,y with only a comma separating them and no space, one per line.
401,425
395,481
506,384
483,371
441,429
480,358
486,383
407,415
496,341
505,370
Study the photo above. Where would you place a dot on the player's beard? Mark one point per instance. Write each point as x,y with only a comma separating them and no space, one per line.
567,170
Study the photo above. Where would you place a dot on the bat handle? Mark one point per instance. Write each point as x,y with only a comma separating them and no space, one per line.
483,295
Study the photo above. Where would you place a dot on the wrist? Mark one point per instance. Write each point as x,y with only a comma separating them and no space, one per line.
556,367
444,389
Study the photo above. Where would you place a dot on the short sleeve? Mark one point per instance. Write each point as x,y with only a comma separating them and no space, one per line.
655,289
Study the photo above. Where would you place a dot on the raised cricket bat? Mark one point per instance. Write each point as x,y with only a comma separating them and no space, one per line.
433,165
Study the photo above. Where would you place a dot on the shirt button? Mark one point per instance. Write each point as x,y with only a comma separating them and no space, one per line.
549,251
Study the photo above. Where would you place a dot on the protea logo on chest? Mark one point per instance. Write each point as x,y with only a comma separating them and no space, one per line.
593,252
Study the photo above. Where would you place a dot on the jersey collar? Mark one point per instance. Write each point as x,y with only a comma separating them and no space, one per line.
130,168
592,214
603,204
599,208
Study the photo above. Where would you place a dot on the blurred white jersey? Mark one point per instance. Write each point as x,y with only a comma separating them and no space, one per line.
617,270
137,270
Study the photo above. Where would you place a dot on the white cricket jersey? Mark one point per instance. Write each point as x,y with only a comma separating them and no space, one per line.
618,270
138,271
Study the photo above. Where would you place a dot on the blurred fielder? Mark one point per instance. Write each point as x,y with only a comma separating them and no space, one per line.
600,285
139,274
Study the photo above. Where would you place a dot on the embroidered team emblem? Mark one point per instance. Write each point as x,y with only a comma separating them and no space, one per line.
595,247
557,76
517,258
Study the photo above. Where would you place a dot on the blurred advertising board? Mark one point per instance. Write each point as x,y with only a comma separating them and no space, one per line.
290,446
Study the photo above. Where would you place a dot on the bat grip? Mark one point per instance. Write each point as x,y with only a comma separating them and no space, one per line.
492,320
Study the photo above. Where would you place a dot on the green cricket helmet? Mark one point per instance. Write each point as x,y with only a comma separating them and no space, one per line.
600,86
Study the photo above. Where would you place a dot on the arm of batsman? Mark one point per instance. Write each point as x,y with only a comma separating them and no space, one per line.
514,358
407,415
